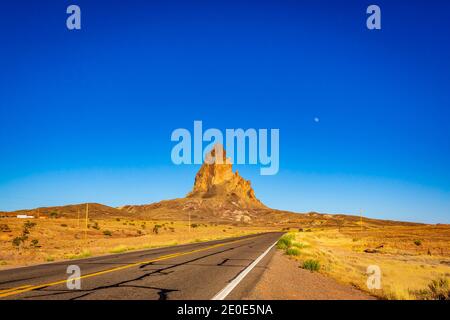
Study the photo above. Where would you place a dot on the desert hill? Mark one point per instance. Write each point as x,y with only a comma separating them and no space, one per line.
219,195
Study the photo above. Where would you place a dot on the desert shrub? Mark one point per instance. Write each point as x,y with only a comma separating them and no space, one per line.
17,241
29,224
63,225
143,226
311,265
437,290
96,226
417,242
54,214
4,228
107,233
172,229
117,219
194,225
156,228
35,243
139,232
293,251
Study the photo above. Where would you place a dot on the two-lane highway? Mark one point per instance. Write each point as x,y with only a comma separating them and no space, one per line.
192,271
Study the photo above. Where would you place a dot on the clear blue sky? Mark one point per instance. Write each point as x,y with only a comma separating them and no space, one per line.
87,115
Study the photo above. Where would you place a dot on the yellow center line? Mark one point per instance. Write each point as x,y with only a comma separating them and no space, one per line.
26,288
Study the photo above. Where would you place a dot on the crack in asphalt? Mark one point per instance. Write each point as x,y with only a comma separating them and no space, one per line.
162,292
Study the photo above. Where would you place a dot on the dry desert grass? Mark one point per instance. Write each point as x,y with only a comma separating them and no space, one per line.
414,260
22,243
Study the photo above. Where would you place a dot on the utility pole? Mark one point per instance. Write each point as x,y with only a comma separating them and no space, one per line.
360,223
78,219
86,224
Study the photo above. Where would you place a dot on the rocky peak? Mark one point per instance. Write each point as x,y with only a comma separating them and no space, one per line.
216,179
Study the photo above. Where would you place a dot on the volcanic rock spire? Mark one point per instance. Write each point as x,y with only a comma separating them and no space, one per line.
216,179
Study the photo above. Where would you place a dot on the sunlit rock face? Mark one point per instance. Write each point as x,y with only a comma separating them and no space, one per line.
216,179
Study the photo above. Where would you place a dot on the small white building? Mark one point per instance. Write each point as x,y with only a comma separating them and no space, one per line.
24,216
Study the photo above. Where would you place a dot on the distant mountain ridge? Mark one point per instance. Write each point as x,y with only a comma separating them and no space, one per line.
218,196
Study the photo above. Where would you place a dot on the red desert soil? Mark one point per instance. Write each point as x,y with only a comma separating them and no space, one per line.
283,279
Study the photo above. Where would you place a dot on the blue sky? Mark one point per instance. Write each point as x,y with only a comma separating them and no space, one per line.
87,115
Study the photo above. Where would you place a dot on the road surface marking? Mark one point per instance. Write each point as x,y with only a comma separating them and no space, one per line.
26,288
226,291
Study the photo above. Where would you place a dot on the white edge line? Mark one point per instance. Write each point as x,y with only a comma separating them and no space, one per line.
229,287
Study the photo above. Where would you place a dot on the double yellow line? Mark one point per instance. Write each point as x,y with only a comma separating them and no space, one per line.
25,288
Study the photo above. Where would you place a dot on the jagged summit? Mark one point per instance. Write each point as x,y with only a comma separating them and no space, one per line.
216,179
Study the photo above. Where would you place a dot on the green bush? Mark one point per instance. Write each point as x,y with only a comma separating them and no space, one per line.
417,242
311,265
285,241
298,245
107,233
292,251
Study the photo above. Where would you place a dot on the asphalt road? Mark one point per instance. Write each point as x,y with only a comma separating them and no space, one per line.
192,271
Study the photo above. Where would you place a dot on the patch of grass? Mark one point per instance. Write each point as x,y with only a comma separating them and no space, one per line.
119,249
81,255
285,241
311,265
298,245
292,251
417,242
438,289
